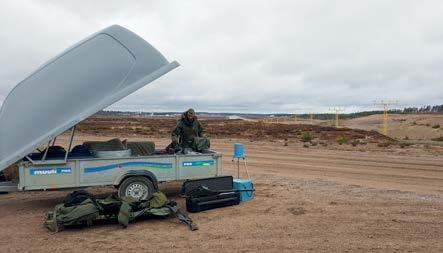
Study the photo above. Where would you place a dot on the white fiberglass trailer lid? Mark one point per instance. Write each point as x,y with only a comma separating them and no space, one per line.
84,79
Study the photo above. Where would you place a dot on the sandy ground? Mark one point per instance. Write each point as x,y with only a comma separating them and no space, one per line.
307,199
402,126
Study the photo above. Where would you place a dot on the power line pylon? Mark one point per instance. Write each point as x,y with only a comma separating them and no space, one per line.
386,104
337,111
311,115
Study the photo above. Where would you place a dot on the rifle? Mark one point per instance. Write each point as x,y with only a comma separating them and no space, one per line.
172,205
202,191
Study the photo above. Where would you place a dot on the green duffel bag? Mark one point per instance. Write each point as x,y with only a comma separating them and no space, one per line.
201,144
132,209
125,209
141,148
83,213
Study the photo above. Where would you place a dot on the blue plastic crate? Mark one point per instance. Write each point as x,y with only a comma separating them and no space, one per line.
239,150
244,184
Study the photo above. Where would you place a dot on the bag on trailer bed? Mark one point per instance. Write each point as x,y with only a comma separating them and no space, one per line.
201,144
141,148
111,145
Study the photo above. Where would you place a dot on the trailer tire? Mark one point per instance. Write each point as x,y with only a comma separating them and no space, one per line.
140,188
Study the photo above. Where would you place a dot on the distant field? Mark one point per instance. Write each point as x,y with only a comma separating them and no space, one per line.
223,128
406,131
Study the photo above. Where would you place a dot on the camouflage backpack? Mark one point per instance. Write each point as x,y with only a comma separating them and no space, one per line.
83,213
131,209
124,209
201,144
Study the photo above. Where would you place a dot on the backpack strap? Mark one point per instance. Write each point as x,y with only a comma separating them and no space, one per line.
51,222
124,214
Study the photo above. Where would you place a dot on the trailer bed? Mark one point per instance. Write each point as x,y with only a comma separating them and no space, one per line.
85,172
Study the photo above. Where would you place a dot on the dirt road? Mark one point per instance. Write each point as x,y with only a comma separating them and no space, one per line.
307,199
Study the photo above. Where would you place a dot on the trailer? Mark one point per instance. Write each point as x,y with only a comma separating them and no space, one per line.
84,79
133,175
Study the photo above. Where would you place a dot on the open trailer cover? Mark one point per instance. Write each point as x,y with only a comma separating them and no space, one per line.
84,79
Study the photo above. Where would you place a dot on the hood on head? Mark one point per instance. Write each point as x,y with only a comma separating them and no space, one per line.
184,115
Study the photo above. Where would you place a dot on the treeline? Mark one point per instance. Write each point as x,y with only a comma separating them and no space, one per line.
436,109
424,109
126,113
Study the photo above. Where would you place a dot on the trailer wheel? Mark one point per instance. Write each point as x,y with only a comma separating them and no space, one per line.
139,188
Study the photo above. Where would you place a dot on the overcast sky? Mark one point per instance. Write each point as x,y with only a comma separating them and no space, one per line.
249,56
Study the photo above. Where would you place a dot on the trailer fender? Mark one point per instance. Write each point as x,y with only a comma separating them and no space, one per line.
135,173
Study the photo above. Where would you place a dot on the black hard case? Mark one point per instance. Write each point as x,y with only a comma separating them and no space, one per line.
227,197
199,204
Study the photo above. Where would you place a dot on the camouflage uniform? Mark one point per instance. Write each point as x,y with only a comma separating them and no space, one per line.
185,131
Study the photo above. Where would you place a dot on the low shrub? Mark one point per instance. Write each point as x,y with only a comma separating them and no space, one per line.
403,145
384,144
342,140
355,142
307,137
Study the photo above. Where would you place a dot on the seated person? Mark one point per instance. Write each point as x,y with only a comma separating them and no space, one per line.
186,132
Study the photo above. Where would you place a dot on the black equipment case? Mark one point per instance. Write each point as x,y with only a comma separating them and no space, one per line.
209,193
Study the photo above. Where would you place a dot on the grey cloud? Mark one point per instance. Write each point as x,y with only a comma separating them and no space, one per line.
252,56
